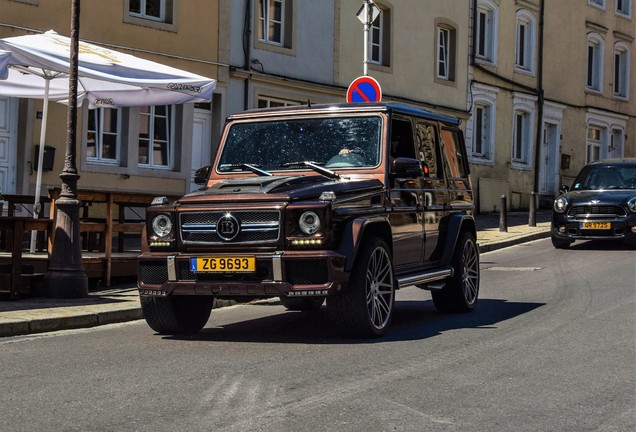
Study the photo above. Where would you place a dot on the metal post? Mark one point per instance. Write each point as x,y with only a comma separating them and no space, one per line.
532,215
367,26
503,215
65,277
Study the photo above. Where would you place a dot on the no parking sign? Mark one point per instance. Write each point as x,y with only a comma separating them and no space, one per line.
364,89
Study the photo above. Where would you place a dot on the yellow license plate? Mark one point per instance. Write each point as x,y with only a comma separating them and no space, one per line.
236,264
596,225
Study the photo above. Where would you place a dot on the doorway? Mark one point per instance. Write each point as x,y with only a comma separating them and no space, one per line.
201,142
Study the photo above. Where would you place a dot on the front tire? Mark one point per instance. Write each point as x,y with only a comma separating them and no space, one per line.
177,314
365,309
461,291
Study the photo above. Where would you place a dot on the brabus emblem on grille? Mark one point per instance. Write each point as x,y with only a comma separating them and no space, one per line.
595,201
228,227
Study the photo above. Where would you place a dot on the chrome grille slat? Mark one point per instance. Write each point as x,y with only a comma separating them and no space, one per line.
257,226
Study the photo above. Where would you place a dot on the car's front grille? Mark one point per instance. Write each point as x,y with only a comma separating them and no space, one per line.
306,272
256,226
594,210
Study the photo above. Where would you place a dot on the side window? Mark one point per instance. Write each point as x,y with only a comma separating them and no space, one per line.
428,148
454,160
402,139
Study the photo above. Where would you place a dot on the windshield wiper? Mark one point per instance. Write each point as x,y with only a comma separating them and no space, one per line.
314,166
251,167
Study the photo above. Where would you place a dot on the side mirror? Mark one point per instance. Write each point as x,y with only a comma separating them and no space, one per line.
406,167
564,189
202,174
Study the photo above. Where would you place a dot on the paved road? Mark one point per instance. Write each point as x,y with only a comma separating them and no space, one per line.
551,347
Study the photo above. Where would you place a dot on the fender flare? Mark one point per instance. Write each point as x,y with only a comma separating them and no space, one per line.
457,224
355,231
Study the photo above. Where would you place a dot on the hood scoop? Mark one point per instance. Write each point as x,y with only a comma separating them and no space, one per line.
261,185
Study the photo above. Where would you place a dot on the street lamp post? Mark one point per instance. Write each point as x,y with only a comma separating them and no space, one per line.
65,277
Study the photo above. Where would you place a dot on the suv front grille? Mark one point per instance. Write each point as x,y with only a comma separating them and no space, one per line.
256,226
592,210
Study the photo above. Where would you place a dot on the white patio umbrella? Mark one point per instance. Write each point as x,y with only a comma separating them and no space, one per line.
37,66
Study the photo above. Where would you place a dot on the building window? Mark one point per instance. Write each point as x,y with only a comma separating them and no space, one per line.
485,43
149,9
379,38
624,7
155,136
482,131
524,58
446,37
271,16
597,3
594,62
522,138
103,138
269,102
621,70
594,144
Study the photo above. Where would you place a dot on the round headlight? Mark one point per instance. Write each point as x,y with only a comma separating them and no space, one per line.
631,204
309,222
162,225
560,204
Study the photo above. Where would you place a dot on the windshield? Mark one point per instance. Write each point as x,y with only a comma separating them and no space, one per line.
606,177
334,142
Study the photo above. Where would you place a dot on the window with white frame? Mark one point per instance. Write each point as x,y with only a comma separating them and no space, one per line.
522,138
624,7
594,73
379,37
621,70
103,135
446,40
156,125
525,44
597,3
594,144
482,131
156,10
271,17
270,102
486,34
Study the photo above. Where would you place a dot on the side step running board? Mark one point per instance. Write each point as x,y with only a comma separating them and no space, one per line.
425,278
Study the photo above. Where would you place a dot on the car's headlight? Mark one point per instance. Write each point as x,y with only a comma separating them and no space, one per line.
560,204
631,204
309,222
162,225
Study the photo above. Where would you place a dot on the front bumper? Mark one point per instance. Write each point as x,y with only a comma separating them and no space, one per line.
568,228
290,273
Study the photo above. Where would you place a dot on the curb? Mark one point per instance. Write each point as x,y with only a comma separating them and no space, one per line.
489,247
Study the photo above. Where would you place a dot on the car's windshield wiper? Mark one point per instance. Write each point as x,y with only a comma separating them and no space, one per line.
251,167
314,166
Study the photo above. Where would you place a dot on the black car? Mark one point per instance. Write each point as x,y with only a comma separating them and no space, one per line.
601,205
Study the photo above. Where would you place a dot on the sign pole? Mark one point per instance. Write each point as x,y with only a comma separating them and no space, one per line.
366,27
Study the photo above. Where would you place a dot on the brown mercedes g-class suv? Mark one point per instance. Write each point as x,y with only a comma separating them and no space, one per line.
345,203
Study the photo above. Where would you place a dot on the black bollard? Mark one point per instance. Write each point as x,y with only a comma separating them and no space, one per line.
503,215
532,215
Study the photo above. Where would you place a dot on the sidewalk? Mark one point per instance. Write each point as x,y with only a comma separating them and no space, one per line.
121,303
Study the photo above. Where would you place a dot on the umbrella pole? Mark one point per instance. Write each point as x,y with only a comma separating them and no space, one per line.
37,205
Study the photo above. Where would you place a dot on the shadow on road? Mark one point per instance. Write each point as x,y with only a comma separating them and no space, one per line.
413,320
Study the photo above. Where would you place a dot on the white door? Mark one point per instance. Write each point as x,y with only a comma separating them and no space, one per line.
201,142
8,149
548,170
